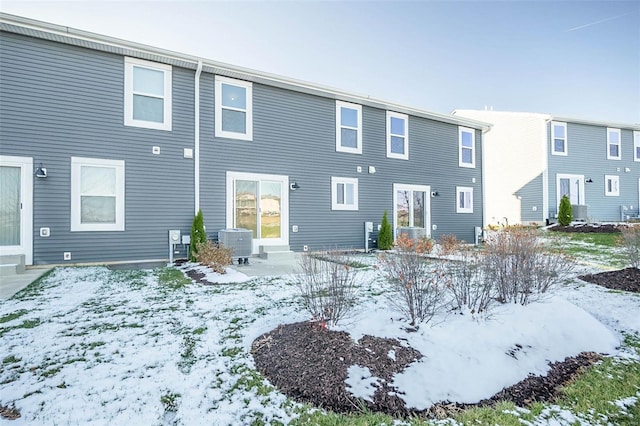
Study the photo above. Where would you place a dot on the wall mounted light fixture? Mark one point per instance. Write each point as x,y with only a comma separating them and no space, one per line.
589,180
41,172
434,193
294,185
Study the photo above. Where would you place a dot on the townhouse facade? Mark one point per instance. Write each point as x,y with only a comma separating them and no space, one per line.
107,144
532,160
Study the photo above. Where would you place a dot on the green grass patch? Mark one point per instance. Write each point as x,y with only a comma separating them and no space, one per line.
11,359
251,379
200,330
12,316
611,380
51,372
231,352
30,323
320,418
35,288
599,247
170,401
172,278
596,238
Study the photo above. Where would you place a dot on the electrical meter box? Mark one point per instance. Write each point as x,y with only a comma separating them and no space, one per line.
174,236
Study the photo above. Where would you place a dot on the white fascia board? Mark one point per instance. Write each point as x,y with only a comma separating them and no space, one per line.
598,123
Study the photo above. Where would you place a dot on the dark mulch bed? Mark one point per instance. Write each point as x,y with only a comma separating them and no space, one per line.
587,228
624,279
309,364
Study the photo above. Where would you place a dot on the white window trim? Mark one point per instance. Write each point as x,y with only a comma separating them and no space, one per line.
636,145
76,224
129,63
616,190
609,143
553,138
404,117
459,190
339,126
335,181
248,136
473,147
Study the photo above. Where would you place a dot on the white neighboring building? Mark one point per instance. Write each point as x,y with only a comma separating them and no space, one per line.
533,159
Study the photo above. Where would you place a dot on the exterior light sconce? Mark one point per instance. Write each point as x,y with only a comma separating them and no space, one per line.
294,185
435,194
589,180
41,172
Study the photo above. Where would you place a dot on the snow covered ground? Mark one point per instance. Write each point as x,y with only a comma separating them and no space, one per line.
91,345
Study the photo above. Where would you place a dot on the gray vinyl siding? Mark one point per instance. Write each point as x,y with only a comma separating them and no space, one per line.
587,155
294,135
60,101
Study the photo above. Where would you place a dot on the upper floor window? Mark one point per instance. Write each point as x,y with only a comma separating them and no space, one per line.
234,109
613,144
611,186
467,148
344,193
147,94
636,145
348,127
97,194
397,135
464,196
558,138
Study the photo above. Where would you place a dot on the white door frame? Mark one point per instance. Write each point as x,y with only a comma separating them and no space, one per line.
427,204
26,214
580,178
284,231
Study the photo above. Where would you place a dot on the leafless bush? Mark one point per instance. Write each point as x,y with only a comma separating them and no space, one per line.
450,244
214,255
630,241
521,267
469,286
418,285
328,285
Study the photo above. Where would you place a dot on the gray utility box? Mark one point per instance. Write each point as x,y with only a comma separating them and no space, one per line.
579,212
413,233
237,239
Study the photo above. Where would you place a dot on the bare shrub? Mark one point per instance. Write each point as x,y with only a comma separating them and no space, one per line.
469,287
630,241
449,244
328,285
521,267
214,255
418,285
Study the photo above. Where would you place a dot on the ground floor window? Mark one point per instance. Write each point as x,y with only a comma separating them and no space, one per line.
611,186
464,196
97,194
344,193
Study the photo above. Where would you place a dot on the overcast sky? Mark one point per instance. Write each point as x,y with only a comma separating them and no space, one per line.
571,58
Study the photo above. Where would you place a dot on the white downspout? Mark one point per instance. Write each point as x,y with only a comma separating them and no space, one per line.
196,148
545,170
